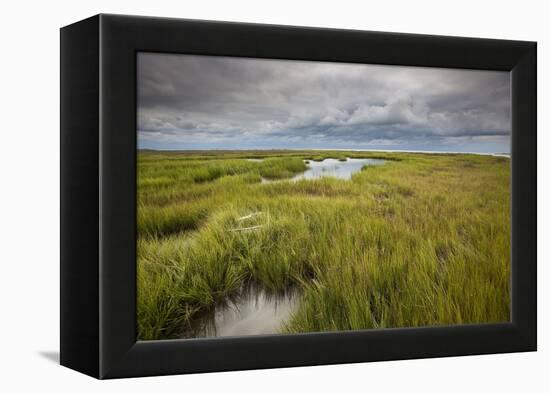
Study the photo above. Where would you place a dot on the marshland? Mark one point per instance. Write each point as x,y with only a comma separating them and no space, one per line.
246,242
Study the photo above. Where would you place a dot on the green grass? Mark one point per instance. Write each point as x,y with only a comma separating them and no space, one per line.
422,240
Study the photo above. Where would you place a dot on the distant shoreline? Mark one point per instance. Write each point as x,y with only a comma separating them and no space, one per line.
496,154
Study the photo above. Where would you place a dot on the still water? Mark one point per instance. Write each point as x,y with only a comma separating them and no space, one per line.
331,167
253,311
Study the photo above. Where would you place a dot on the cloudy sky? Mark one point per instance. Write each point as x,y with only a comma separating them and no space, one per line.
208,102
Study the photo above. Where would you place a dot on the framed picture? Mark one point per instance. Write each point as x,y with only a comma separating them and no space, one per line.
239,196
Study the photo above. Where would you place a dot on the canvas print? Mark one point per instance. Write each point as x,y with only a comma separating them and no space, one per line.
281,197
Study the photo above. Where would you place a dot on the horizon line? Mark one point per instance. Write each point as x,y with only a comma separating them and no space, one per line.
356,150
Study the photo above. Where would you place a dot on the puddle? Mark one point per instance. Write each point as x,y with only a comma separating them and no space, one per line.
335,168
255,159
253,312
332,167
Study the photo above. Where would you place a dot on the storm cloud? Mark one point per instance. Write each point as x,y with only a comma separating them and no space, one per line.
210,102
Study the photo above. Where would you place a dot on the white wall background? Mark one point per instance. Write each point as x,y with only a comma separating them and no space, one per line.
29,194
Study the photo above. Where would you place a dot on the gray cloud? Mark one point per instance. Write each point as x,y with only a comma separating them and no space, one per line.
187,101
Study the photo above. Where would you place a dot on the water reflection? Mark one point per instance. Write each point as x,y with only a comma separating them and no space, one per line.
253,312
335,168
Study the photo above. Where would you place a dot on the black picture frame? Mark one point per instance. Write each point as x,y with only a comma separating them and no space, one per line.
98,191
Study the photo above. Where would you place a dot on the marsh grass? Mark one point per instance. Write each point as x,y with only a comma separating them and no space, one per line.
421,240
